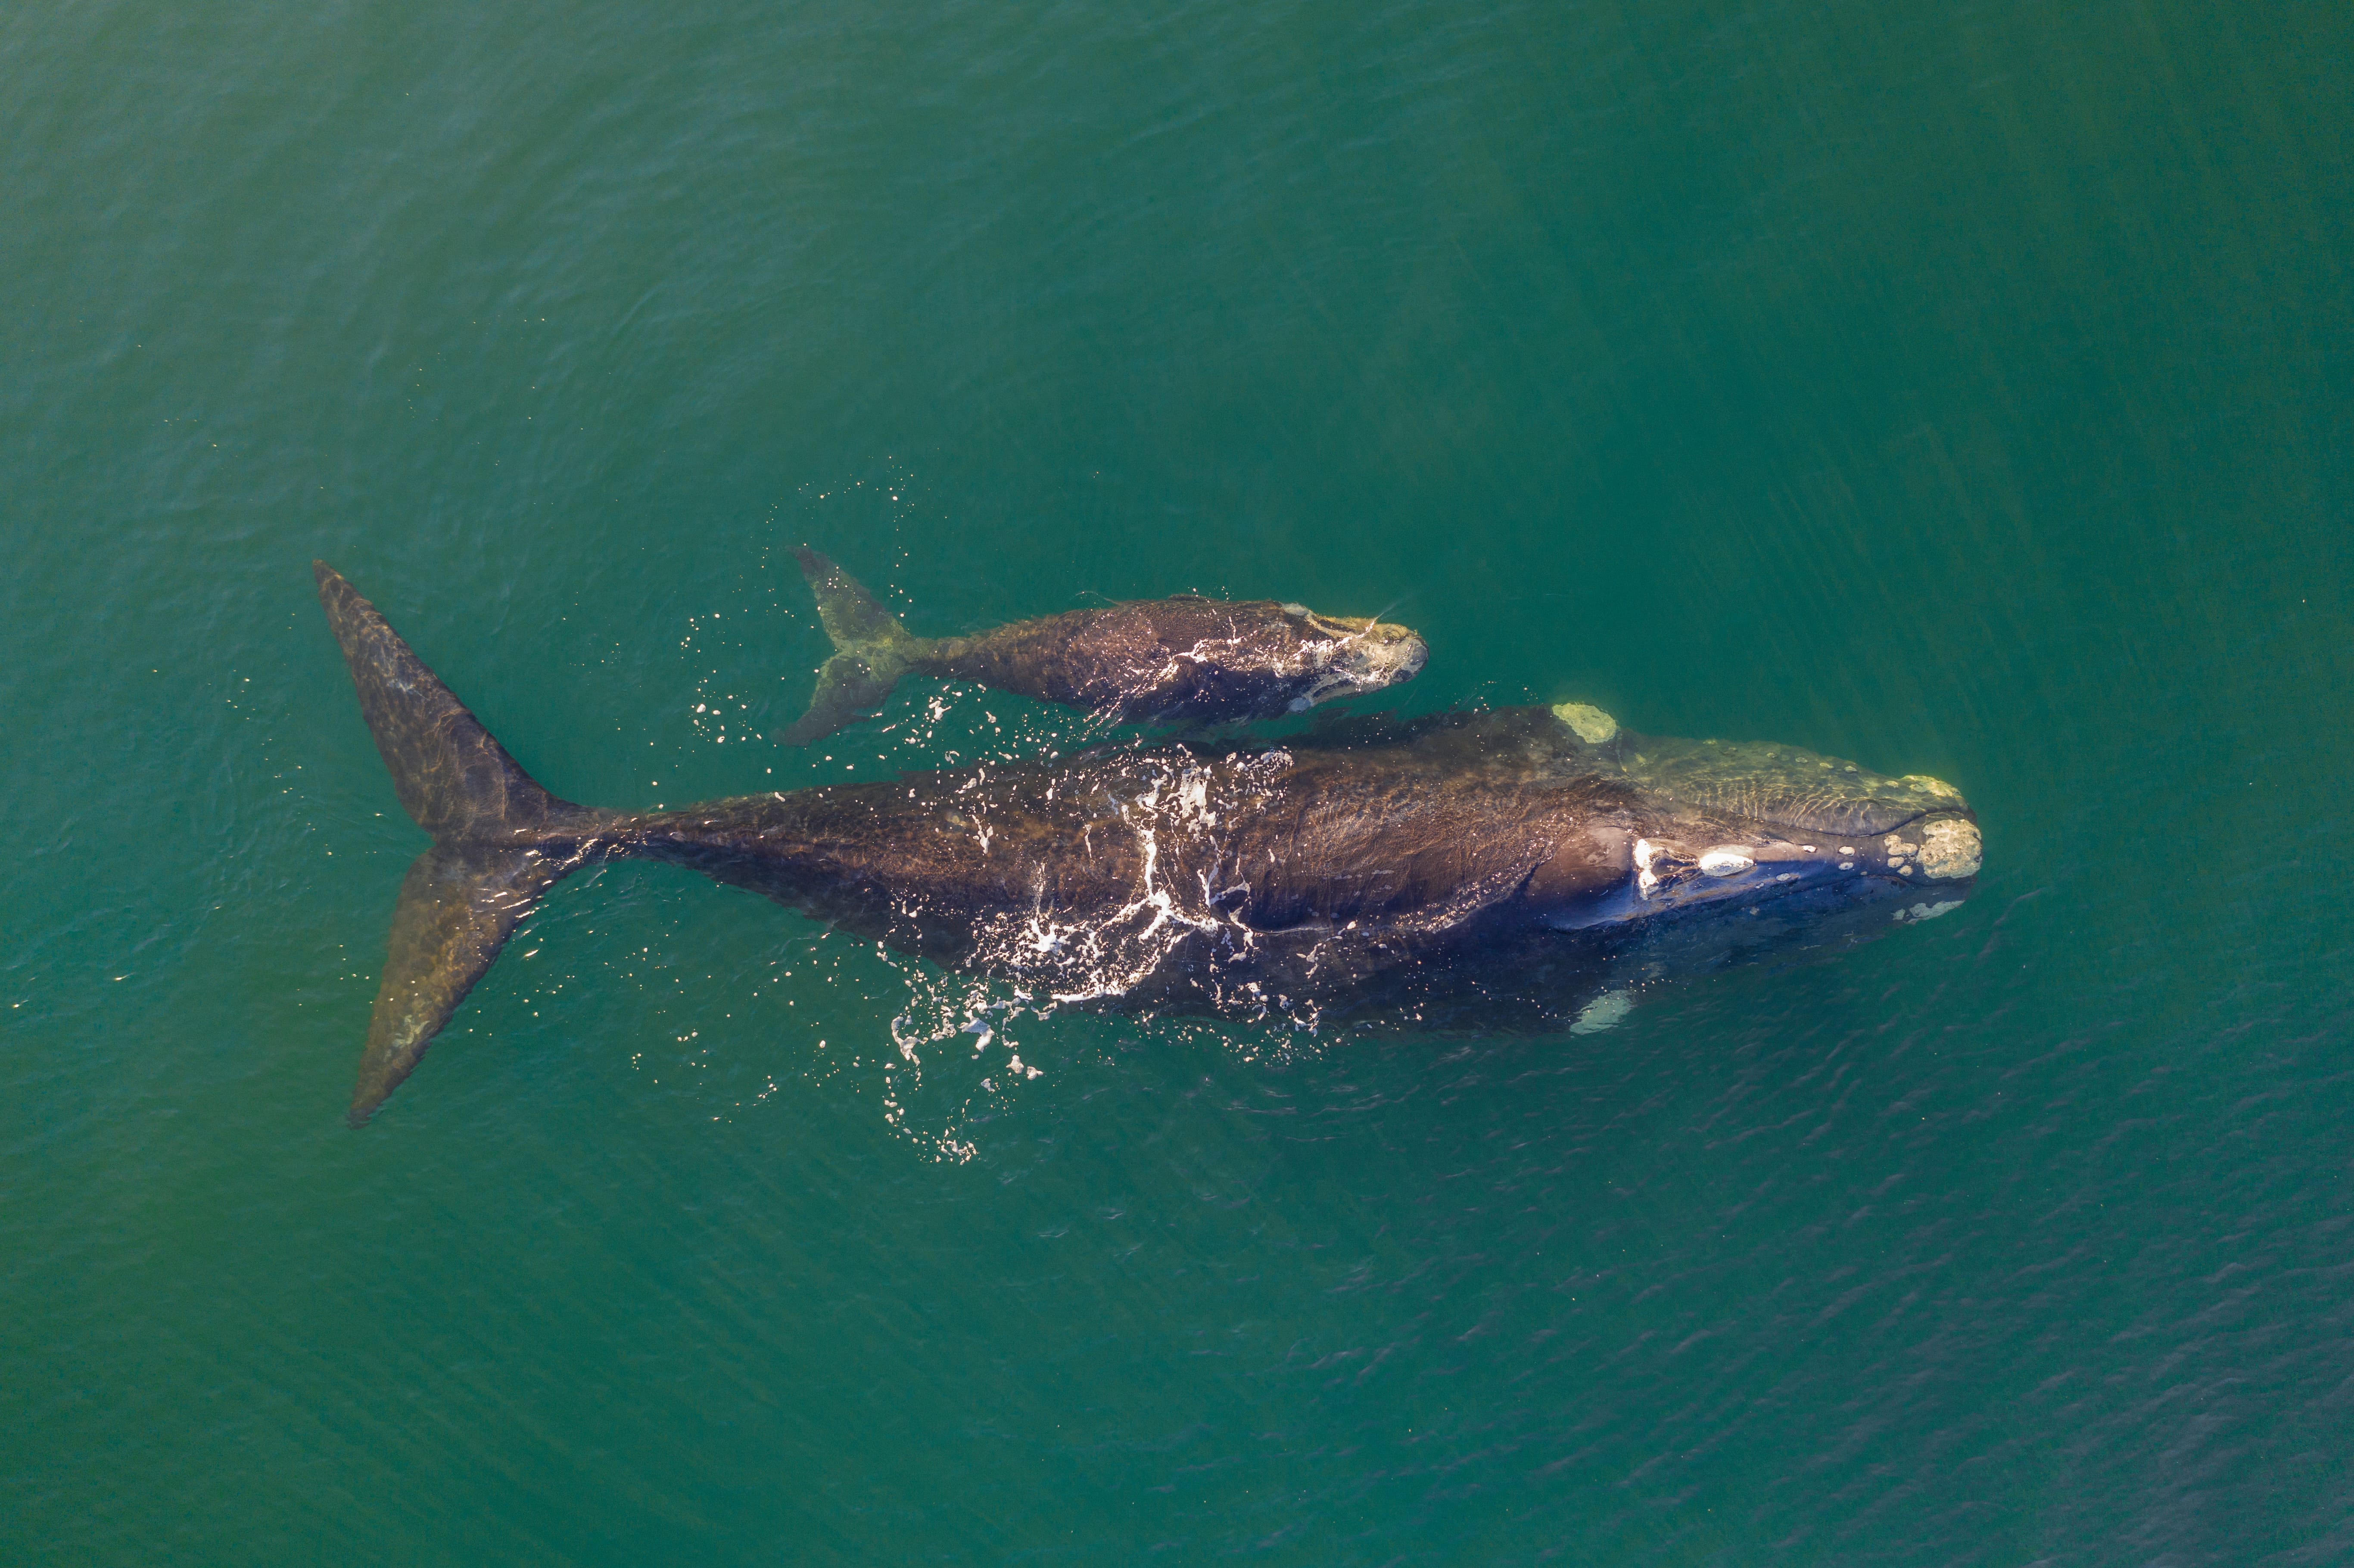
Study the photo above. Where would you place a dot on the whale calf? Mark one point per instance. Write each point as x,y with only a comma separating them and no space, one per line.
1511,867
1139,661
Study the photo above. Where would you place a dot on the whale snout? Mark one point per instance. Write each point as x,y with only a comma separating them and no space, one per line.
1734,847
1951,849
1940,855
1943,849
1936,849
1375,655
1385,655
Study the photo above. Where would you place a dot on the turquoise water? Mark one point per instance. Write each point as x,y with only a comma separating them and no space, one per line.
1961,389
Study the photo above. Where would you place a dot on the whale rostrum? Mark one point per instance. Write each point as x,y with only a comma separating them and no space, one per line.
1162,661
1489,869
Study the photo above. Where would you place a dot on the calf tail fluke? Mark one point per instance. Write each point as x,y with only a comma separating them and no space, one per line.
499,841
871,652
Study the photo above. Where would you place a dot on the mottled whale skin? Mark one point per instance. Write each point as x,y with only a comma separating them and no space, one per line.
1162,661
1484,869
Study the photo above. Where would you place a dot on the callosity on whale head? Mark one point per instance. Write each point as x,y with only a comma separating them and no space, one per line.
1356,654
1736,844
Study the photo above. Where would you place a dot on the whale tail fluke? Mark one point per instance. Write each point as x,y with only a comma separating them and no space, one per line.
499,841
871,652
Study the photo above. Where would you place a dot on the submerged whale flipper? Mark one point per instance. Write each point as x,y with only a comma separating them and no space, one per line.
871,652
499,841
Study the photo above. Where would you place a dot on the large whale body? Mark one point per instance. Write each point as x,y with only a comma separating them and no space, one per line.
1503,868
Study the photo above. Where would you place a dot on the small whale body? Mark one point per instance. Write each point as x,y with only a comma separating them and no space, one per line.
1161,661
1512,868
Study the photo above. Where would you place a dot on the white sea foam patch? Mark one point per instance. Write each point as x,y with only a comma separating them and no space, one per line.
962,1050
1160,820
959,1043
932,1052
956,1054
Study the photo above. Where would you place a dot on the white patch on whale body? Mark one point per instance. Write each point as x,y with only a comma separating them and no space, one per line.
1599,1014
1586,721
1644,850
1723,862
1951,849
1917,912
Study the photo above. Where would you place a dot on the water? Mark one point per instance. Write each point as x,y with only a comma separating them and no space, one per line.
1961,390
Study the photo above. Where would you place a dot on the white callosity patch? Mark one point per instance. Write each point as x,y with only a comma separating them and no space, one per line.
1951,849
1645,881
1599,1014
1588,723
1660,863
1355,659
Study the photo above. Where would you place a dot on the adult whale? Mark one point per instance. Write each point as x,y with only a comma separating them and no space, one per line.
1471,868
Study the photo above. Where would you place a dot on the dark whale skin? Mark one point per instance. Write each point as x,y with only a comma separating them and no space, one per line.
1469,870
1182,872
1182,659
1153,660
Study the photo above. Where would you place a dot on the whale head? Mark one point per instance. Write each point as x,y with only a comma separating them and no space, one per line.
1733,845
1350,655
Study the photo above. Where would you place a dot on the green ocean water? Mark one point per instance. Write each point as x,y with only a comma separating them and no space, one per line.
1963,389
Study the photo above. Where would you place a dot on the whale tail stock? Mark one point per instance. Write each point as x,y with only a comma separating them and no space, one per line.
499,841
871,652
